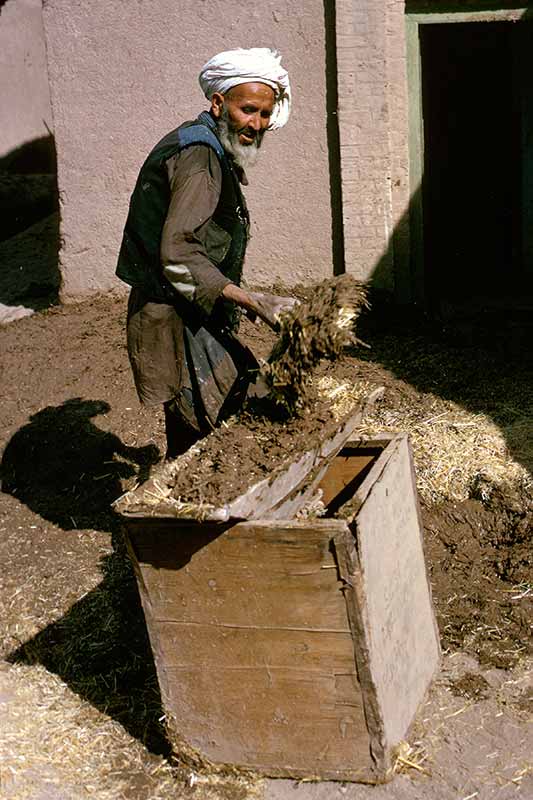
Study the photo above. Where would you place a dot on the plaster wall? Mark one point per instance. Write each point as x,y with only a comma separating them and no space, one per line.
122,74
24,92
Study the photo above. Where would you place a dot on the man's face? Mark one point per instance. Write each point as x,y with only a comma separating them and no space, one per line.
243,115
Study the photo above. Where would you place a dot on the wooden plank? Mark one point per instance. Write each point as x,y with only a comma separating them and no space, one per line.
363,489
459,15
185,646
310,603
393,593
282,721
344,471
346,553
280,574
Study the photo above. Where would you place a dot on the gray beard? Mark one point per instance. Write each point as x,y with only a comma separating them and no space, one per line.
245,155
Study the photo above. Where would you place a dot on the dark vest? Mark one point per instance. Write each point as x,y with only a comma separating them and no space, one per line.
139,261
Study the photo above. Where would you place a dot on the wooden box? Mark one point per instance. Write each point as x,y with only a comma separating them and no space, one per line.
298,648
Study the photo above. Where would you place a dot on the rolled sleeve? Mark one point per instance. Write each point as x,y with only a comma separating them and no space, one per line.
195,182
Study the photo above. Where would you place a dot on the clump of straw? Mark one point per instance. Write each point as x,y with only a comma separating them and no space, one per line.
318,328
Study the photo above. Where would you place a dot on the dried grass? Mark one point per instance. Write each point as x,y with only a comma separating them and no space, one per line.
344,396
409,758
458,454
54,745
19,604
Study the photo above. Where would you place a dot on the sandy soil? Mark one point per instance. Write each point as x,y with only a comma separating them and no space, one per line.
77,683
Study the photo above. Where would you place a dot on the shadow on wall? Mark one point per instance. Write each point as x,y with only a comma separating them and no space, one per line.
29,225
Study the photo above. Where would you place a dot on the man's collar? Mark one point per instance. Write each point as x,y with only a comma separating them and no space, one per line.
206,119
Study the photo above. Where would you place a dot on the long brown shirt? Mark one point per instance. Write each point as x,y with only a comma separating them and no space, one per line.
155,331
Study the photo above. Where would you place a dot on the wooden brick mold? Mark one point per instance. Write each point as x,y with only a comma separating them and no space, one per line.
299,648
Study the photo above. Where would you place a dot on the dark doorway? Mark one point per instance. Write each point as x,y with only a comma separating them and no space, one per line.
474,199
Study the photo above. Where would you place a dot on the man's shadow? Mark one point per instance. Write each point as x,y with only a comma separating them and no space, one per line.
69,471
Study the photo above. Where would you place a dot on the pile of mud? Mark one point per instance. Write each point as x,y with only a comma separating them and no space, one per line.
479,556
289,420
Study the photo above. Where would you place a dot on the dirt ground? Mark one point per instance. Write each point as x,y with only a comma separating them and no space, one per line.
77,683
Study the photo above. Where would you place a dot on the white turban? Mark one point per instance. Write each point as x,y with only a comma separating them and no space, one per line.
257,65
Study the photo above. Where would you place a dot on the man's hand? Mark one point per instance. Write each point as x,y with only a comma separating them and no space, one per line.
269,307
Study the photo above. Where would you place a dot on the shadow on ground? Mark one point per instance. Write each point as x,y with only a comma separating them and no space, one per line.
100,649
69,471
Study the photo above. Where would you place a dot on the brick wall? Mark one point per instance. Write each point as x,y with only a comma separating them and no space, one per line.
372,93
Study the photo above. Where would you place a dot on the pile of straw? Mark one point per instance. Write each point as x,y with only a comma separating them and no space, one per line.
54,745
458,454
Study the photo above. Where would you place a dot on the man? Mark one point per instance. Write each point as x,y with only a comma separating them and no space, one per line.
184,244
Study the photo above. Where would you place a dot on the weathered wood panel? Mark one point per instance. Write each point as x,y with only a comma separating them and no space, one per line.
253,646
255,574
344,471
400,632
184,646
287,721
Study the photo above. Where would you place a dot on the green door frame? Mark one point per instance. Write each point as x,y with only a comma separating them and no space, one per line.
416,122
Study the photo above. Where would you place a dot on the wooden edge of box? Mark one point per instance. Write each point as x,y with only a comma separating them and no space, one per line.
399,452
346,555
386,441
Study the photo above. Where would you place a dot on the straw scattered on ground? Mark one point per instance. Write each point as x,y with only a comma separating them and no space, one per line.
52,744
458,454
